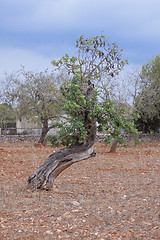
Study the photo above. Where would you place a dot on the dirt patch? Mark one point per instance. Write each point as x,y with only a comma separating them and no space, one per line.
110,196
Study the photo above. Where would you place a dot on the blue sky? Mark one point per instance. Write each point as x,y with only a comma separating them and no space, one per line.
34,32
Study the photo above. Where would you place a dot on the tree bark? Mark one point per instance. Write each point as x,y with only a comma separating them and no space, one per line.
114,146
42,136
45,175
45,130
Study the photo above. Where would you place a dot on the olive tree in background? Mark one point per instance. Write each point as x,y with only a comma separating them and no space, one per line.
7,116
35,96
147,101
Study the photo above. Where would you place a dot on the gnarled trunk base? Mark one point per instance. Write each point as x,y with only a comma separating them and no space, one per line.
44,176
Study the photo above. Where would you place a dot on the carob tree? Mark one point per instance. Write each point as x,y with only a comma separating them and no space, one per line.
83,111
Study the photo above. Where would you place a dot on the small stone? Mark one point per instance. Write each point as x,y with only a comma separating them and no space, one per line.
124,196
75,203
49,232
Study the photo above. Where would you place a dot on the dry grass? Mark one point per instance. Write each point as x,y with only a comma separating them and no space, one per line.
111,196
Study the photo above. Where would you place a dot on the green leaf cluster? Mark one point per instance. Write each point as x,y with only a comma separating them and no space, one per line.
79,110
114,123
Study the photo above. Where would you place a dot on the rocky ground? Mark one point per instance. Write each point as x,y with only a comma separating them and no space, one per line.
110,196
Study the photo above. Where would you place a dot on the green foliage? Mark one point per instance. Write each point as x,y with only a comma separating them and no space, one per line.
147,103
114,122
108,139
79,109
82,107
53,140
7,115
137,141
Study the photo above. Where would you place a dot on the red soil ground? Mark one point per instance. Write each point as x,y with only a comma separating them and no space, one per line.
110,196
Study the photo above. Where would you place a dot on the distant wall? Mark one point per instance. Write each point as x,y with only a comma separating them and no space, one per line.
100,137
18,138
144,137
147,137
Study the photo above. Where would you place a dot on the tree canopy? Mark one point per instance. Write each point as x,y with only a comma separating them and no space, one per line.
35,96
7,115
147,103
95,60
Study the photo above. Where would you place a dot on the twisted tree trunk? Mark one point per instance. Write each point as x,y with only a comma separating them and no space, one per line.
44,176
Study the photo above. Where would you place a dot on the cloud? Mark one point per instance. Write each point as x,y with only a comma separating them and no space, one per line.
37,15
134,19
82,14
13,59
32,32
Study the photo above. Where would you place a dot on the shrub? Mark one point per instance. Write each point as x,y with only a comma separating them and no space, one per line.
53,140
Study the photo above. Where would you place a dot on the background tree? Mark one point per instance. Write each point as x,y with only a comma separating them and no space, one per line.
147,102
35,96
95,57
7,116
